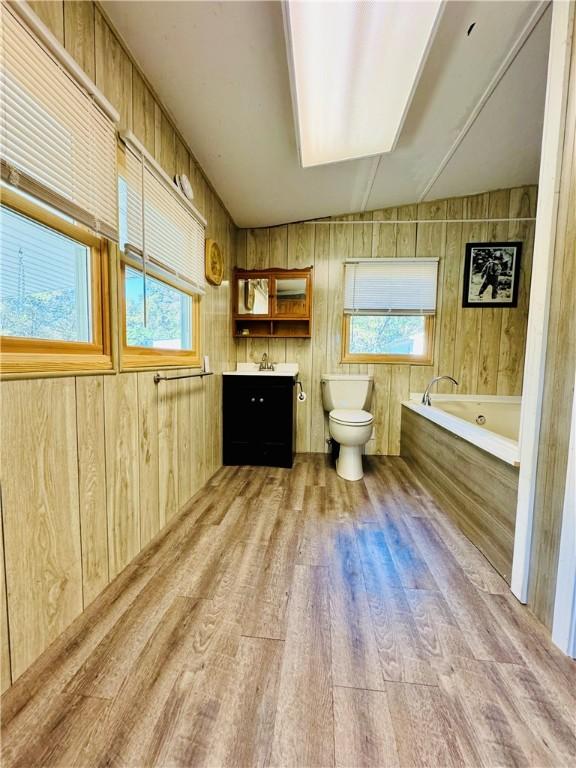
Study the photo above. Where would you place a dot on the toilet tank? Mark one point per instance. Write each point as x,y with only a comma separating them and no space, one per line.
349,391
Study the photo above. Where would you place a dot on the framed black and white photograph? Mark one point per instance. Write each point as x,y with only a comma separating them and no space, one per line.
492,274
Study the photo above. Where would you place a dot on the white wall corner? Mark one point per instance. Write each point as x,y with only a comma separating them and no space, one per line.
544,244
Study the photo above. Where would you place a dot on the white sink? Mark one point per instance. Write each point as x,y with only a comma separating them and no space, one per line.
252,369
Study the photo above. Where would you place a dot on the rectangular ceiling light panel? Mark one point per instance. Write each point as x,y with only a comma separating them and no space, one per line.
354,67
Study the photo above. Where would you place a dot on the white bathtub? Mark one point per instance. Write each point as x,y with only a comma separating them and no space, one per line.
490,422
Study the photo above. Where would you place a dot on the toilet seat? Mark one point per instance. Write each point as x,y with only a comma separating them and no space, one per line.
353,418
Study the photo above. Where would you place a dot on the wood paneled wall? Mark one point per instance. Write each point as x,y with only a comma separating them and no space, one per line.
482,348
558,382
94,466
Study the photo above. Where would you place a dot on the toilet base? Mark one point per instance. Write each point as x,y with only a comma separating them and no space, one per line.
349,462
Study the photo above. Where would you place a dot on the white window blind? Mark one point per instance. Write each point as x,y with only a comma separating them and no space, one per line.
159,224
56,143
390,286
131,211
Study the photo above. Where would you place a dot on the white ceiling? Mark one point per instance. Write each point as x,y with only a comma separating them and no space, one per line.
474,124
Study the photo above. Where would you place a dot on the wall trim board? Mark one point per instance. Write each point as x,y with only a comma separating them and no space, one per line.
555,116
393,222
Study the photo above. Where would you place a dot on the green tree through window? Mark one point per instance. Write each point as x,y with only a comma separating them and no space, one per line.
168,314
45,285
387,334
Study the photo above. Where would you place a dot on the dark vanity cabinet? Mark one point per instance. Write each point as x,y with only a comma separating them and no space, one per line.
259,420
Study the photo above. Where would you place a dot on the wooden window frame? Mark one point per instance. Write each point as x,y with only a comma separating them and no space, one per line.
143,358
425,359
22,355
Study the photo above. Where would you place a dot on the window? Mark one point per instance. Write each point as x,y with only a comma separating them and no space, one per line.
58,167
162,237
387,335
169,314
45,288
389,307
161,322
53,291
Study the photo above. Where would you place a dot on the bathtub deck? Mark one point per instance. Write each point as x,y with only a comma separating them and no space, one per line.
292,619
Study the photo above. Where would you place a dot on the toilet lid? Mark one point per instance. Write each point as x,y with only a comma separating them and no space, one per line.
345,416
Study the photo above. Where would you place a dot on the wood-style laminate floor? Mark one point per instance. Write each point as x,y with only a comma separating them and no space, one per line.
291,619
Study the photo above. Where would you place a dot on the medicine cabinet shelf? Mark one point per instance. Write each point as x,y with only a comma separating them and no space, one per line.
272,303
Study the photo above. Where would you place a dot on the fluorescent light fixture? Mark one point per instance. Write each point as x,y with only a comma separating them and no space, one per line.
354,67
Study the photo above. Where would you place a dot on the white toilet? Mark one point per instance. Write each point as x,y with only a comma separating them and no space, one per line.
347,398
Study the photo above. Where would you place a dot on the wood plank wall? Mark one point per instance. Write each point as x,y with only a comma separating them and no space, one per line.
94,466
558,382
482,348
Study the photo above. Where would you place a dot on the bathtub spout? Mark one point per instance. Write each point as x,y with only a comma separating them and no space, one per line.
426,396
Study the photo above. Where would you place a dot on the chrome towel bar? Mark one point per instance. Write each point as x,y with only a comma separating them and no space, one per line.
199,374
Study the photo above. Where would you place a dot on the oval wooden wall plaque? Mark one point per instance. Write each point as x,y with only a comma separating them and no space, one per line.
214,265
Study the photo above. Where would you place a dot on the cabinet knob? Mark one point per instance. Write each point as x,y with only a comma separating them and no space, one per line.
252,399
261,399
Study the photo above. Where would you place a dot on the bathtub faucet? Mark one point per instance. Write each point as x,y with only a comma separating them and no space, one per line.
426,396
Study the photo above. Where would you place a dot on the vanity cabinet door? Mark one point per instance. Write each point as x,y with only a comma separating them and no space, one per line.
240,416
259,421
274,425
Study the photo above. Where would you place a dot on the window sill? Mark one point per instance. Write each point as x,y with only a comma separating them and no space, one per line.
146,361
386,360
18,365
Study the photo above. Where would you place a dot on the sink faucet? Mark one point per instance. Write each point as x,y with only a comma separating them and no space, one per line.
265,365
426,396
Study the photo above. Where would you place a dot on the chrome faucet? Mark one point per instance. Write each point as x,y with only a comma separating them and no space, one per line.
265,365
426,396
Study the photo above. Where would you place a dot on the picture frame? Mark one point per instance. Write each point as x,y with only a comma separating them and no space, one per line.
492,274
